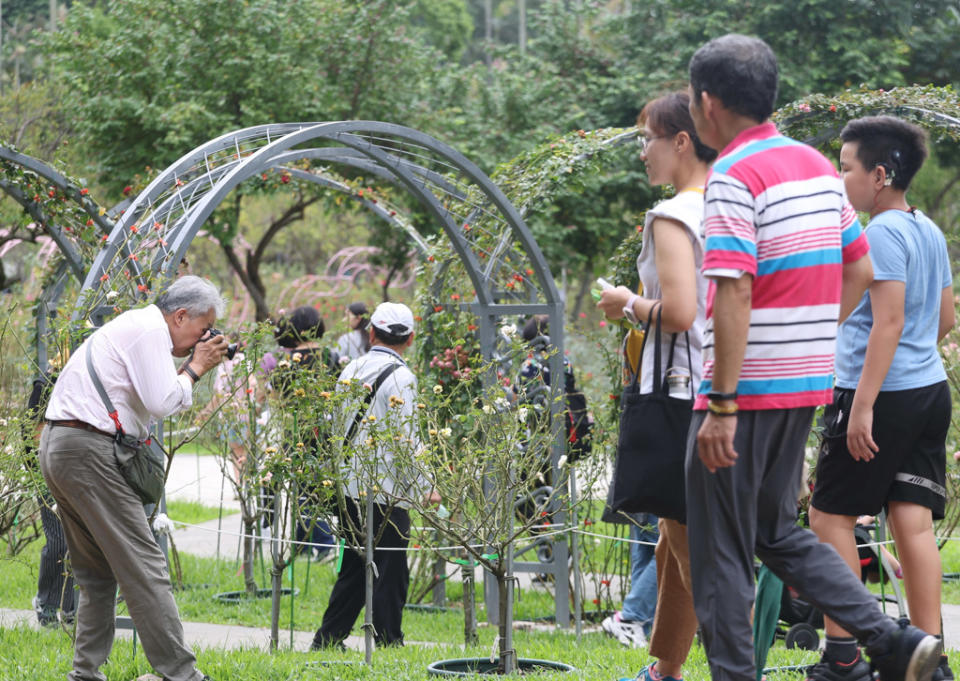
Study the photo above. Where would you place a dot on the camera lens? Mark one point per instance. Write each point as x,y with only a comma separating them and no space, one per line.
231,350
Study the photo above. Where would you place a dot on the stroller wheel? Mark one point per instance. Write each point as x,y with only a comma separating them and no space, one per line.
802,636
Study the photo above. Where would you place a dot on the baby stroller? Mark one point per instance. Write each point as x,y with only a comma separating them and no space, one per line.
799,621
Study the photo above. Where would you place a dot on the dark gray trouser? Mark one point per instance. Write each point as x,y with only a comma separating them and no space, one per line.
751,508
110,543
55,583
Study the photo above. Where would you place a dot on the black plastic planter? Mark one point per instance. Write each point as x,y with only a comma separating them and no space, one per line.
468,666
241,596
423,607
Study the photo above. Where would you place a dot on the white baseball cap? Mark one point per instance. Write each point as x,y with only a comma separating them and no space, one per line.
395,318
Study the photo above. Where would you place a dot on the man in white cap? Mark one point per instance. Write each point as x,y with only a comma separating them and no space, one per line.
391,409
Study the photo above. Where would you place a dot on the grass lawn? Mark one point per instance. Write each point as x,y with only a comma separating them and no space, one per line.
28,654
192,512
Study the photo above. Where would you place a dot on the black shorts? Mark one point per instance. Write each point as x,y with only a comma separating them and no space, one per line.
910,429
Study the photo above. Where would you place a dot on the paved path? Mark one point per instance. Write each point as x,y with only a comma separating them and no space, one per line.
204,635
200,478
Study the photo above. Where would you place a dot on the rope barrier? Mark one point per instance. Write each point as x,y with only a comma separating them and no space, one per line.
560,529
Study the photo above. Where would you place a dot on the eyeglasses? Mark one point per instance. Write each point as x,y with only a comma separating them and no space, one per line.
644,142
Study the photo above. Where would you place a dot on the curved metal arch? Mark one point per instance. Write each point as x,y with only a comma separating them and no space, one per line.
289,135
35,208
185,166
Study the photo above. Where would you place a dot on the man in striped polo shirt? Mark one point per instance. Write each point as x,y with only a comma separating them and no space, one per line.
787,259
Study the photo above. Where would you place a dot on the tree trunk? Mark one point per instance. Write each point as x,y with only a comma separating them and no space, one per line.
522,25
508,656
276,582
487,30
249,582
368,583
257,294
384,288
470,637
582,291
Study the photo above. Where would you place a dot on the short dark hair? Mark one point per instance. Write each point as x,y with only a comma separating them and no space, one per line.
388,338
897,145
669,115
537,325
740,71
302,325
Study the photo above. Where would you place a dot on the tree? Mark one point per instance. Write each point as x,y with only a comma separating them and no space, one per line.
147,83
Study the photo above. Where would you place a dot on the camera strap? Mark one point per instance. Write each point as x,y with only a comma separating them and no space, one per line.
365,405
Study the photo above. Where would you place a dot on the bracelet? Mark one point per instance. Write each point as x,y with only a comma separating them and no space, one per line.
722,397
628,310
715,408
190,372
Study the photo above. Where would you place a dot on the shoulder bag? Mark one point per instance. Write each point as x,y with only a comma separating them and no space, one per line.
142,462
365,405
648,473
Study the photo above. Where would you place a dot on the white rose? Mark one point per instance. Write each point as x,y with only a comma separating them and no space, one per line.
522,414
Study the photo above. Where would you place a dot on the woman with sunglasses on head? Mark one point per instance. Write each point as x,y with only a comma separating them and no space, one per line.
669,267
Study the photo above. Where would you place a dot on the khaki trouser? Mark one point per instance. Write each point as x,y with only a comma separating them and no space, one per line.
675,622
110,543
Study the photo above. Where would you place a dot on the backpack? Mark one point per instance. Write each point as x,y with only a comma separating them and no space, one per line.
578,423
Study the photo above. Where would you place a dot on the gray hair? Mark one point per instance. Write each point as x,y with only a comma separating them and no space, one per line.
195,295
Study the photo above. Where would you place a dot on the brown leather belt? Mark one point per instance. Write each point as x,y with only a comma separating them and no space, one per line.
82,425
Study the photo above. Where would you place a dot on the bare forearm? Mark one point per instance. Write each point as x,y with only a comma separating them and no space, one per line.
731,326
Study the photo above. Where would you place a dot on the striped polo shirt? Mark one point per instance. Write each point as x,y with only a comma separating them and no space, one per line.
776,209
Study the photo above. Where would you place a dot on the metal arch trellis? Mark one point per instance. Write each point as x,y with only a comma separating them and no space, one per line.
43,191
508,272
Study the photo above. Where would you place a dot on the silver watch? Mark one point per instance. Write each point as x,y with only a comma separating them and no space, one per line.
628,310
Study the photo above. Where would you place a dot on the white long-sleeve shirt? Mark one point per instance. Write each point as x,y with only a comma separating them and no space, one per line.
131,355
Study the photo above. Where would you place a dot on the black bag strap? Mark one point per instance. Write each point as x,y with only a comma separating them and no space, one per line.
365,406
643,346
114,415
660,380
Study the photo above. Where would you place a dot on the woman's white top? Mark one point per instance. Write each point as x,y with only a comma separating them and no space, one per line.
350,344
687,209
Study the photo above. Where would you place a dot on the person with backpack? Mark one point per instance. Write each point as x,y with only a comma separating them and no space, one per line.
391,408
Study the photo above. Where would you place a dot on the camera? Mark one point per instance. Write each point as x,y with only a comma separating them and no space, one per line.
231,349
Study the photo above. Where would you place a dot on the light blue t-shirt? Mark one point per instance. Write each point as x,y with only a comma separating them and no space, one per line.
905,247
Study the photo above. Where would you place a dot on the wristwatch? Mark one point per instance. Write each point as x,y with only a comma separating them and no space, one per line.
628,310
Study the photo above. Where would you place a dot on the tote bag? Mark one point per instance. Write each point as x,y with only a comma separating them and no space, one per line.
648,474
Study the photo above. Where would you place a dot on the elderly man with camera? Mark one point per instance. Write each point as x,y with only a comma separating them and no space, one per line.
110,542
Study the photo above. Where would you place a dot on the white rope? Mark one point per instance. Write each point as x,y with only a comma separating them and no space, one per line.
560,529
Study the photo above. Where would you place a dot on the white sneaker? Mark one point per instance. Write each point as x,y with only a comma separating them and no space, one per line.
629,634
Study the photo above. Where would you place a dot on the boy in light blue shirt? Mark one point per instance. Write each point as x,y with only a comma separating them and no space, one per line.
884,444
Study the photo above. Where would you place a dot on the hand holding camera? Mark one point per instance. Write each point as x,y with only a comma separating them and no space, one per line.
209,352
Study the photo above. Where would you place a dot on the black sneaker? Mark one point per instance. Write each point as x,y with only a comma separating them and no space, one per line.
943,671
830,670
47,617
908,654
